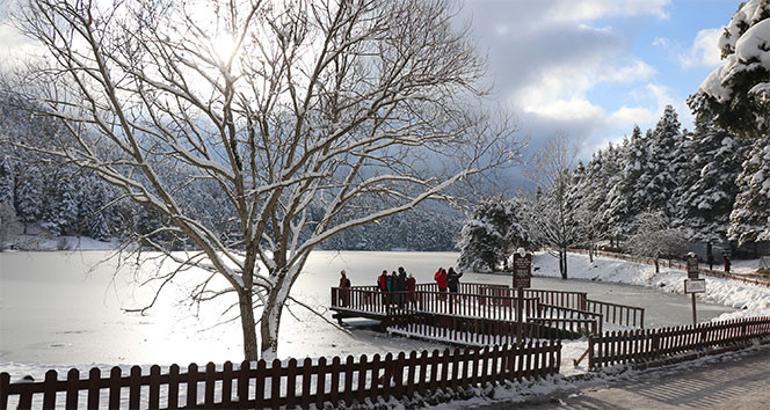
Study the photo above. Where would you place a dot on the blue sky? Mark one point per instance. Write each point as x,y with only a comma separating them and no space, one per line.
593,68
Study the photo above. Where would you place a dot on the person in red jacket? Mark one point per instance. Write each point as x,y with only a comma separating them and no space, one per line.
411,290
441,281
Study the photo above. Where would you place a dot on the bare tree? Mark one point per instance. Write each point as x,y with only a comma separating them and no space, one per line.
653,238
309,117
551,217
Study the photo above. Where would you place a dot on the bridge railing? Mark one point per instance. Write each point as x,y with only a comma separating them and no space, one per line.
398,303
616,314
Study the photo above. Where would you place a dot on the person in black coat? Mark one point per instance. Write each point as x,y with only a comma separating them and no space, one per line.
453,279
401,285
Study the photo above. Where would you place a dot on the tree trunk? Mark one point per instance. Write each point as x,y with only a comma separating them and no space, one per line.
657,266
248,326
270,323
591,252
563,262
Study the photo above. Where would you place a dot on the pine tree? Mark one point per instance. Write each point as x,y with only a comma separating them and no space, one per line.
709,189
93,212
750,218
7,181
61,208
622,174
736,95
490,235
659,170
28,196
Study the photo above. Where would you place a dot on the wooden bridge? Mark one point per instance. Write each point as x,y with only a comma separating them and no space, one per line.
483,314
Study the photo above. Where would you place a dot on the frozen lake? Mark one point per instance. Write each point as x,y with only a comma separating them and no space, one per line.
55,310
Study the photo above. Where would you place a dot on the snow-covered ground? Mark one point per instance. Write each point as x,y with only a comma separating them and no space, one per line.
744,266
751,300
79,321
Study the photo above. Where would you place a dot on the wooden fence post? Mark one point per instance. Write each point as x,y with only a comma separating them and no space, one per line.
114,399
49,390
5,383
134,388
71,401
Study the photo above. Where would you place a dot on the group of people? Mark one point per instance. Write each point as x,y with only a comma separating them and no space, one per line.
399,288
398,282
447,280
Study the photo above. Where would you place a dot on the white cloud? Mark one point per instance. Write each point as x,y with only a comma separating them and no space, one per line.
704,51
582,10
625,116
576,108
561,92
636,71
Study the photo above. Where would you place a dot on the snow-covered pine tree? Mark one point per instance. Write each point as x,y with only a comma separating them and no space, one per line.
28,196
482,244
491,234
597,193
659,169
622,174
736,95
581,201
750,217
7,181
93,210
708,190
61,208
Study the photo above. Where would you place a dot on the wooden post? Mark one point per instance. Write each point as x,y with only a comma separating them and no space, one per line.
694,311
519,315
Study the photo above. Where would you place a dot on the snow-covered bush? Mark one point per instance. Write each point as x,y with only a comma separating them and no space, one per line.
654,238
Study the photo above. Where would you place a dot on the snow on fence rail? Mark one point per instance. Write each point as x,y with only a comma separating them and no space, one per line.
652,345
290,384
617,314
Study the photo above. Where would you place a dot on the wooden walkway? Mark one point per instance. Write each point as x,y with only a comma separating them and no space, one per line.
482,314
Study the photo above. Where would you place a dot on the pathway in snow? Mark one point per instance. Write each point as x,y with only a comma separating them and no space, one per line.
740,383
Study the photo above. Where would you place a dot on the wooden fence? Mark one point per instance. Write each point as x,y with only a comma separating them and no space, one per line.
572,320
576,328
565,299
651,345
287,384
617,314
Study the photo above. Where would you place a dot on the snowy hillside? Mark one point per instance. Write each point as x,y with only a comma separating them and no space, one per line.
753,300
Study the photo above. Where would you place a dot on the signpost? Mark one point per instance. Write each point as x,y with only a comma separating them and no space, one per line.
692,266
693,284
522,278
522,269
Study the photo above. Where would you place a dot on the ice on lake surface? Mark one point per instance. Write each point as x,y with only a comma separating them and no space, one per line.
56,310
